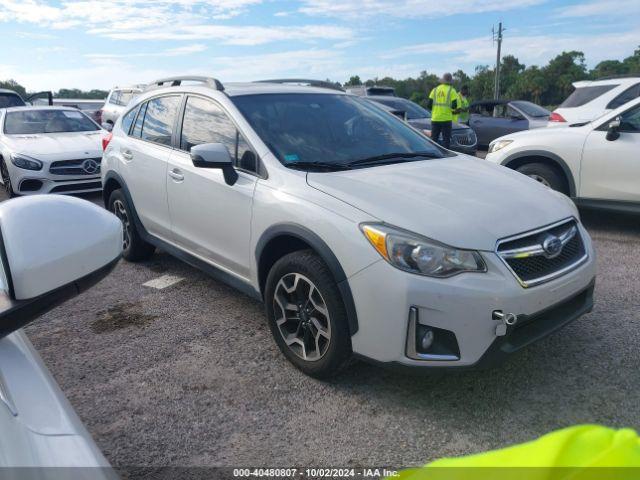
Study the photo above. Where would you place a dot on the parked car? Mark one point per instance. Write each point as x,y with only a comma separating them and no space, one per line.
463,139
9,98
376,90
597,163
53,248
49,150
361,235
92,107
593,98
117,101
491,119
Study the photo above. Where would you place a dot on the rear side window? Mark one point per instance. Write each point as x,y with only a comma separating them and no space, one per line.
159,119
127,120
205,122
115,97
10,100
626,96
137,128
584,95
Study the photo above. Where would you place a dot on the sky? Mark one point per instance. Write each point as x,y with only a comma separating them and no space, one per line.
48,45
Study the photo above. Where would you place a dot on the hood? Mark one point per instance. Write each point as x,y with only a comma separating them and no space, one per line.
425,124
51,146
461,201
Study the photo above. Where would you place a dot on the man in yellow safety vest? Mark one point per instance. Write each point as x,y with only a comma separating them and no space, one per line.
463,106
443,100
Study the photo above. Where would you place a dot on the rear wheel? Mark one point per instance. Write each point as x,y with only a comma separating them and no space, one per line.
545,174
134,248
306,314
6,180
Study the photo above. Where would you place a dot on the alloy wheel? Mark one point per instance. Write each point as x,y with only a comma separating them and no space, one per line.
120,211
540,179
302,317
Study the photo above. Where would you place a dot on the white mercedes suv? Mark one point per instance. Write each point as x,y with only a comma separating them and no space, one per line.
359,233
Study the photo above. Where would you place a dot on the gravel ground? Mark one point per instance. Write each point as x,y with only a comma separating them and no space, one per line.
189,376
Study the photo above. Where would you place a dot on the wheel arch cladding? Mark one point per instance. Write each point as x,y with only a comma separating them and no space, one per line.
282,239
540,156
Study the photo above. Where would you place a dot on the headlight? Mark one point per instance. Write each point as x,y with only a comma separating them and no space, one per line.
413,253
28,163
499,145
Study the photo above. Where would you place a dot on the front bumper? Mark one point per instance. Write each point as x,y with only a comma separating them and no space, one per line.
384,297
30,182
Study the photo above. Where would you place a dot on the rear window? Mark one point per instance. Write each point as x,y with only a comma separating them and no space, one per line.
47,121
10,100
531,109
584,95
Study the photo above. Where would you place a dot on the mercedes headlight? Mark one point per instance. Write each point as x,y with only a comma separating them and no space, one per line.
28,163
416,254
498,145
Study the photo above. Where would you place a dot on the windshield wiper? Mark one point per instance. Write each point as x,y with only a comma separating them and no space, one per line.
319,165
393,156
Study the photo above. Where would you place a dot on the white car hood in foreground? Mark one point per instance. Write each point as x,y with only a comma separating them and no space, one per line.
52,145
461,201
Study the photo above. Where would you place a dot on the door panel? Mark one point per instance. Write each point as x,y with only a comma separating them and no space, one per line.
611,170
210,218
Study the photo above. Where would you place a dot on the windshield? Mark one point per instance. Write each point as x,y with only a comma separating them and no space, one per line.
414,111
10,100
47,121
329,129
531,109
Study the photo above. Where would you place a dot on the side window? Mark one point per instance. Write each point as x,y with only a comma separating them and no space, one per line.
206,122
137,128
115,97
630,121
159,119
626,96
127,120
125,98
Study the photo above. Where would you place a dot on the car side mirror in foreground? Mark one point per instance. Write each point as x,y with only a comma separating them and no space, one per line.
215,155
51,249
613,132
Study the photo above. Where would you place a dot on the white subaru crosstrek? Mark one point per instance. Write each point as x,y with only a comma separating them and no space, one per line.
359,233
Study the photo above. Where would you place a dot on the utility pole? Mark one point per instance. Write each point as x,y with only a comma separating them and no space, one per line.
498,38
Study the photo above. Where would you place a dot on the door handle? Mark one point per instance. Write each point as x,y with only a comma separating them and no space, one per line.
127,154
176,175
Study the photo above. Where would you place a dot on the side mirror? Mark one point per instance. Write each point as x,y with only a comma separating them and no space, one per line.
51,249
215,155
107,126
612,130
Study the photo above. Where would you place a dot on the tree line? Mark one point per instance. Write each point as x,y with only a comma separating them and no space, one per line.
548,85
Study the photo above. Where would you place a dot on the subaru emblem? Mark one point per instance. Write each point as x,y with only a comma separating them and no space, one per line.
552,246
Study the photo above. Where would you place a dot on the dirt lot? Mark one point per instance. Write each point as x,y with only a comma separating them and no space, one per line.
189,375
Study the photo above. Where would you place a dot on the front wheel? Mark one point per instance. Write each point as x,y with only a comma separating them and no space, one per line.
134,248
6,180
546,175
306,314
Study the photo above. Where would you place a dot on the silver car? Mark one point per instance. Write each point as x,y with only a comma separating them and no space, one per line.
116,102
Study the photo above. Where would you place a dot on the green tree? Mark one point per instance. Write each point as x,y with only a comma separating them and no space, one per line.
354,81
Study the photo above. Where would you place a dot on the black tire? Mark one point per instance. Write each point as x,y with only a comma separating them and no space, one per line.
305,264
545,174
6,179
134,249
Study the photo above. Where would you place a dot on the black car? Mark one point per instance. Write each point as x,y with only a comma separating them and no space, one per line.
463,139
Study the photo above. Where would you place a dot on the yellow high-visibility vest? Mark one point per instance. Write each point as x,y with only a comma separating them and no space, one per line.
443,96
463,103
582,452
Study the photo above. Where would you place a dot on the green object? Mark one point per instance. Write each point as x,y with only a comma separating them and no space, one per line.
443,96
463,105
583,452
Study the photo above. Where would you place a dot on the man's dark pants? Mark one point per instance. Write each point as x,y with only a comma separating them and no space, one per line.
444,128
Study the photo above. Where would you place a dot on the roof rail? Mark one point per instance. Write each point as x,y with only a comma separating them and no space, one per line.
616,77
305,81
177,81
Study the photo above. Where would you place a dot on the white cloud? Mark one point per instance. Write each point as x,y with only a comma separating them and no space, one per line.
408,8
602,8
529,49
161,20
172,52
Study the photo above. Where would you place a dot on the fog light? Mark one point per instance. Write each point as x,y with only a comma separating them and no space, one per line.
426,338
